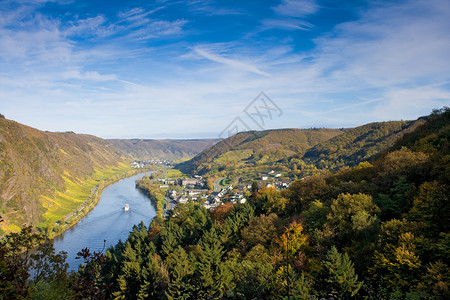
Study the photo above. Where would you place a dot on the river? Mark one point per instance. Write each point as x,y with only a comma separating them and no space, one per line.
107,221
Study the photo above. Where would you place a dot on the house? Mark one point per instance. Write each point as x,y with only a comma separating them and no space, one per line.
183,199
264,177
189,181
277,175
271,172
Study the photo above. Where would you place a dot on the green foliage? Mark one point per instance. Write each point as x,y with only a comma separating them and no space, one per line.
316,215
398,263
341,274
357,144
353,214
24,253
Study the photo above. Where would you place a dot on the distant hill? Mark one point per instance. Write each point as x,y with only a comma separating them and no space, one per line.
37,165
255,145
164,149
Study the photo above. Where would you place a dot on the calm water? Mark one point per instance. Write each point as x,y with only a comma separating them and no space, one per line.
107,221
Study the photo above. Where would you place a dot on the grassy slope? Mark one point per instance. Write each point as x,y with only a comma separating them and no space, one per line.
43,175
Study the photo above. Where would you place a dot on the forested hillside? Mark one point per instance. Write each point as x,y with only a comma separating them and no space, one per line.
251,146
358,144
37,167
162,149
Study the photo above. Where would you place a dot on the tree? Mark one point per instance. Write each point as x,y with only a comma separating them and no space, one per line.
397,263
27,252
291,242
316,215
352,214
215,277
261,230
341,274
432,208
88,282
252,273
181,269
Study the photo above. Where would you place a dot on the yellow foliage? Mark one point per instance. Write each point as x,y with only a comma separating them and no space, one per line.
293,239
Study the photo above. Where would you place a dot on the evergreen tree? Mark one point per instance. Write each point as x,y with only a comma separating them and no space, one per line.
341,274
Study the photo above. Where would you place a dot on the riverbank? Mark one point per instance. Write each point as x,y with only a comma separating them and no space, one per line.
156,194
81,199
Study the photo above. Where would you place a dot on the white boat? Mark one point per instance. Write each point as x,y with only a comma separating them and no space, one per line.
126,207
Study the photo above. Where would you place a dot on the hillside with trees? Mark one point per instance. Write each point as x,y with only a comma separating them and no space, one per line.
358,144
251,146
162,149
376,230
44,175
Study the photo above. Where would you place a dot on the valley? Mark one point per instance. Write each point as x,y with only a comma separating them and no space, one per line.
287,209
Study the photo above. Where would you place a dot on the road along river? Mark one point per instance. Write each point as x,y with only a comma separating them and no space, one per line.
107,221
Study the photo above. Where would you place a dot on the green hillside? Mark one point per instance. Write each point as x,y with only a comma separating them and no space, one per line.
162,149
257,148
358,144
46,175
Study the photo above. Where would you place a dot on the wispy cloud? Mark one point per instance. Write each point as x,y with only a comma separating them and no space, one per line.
159,28
297,8
287,24
233,63
291,15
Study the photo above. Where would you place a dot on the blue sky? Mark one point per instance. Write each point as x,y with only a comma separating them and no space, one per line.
187,69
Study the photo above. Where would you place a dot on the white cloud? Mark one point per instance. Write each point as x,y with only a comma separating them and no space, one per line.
236,64
297,8
288,24
159,28
89,75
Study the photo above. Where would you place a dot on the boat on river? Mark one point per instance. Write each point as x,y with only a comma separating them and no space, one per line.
126,207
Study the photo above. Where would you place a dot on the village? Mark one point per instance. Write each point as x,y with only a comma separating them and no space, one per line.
142,164
183,190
